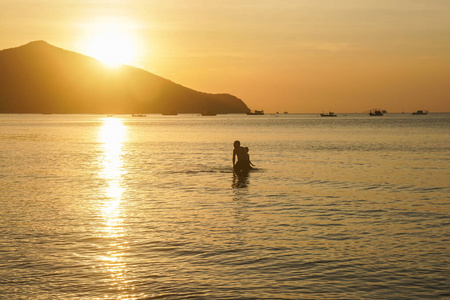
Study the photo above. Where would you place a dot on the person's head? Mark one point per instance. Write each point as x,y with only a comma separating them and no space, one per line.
237,144
246,149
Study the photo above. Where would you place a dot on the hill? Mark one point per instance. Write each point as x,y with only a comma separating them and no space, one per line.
40,78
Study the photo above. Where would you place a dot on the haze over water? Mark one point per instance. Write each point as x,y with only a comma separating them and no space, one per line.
353,207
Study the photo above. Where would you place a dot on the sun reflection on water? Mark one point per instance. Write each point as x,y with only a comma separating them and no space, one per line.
112,136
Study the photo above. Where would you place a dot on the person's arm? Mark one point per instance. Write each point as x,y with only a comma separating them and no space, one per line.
234,157
249,161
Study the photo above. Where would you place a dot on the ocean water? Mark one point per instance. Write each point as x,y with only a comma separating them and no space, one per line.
353,207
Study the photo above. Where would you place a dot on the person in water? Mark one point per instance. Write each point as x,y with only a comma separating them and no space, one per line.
242,164
247,158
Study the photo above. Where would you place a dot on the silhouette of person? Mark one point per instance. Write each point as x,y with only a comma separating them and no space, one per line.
242,164
247,159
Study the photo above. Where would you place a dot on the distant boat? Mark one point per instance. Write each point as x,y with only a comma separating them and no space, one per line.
375,112
330,114
256,112
285,112
139,115
421,112
209,113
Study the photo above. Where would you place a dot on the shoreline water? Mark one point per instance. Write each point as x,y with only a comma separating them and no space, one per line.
341,208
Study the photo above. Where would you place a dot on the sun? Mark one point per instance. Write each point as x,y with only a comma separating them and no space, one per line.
113,49
111,41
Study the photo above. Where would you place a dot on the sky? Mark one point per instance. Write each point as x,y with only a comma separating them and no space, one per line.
303,56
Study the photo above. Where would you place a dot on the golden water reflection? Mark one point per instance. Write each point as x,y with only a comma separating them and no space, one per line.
112,136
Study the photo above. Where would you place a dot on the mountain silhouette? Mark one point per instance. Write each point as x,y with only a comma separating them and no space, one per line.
41,78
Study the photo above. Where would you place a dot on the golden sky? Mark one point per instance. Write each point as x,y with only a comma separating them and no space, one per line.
288,55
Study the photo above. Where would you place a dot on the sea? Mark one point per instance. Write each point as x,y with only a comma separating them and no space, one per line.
122,207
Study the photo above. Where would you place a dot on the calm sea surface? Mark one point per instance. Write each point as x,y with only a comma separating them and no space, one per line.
353,207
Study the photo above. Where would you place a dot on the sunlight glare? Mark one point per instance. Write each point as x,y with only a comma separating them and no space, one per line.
112,135
113,43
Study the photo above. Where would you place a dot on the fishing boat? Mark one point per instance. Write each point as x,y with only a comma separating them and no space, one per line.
375,112
329,114
170,113
421,112
256,112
